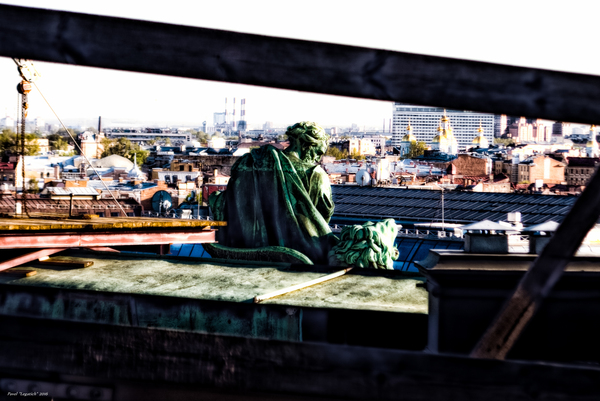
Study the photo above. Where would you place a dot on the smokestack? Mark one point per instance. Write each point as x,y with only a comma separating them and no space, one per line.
233,116
390,125
243,114
225,110
383,129
99,124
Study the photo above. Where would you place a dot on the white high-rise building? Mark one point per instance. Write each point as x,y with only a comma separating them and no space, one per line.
425,122
219,118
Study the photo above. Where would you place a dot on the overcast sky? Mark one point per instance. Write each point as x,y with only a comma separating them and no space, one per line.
551,34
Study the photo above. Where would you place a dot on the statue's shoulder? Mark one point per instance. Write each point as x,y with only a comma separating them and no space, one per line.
263,158
264,151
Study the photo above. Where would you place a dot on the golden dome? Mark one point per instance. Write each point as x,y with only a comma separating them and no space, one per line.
436,139
481,141
408,138
591,144
440,129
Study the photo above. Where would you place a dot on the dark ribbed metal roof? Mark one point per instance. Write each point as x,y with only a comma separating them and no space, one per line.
459,207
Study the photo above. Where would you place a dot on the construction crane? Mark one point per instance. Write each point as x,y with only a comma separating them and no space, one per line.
28,75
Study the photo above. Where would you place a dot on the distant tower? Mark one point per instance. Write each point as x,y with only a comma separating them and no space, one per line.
445,141
439,141
99,148
242,125
226,115
233,116
407,140
480,141
592,146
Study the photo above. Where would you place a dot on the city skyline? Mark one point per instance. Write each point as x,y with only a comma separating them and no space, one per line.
86,93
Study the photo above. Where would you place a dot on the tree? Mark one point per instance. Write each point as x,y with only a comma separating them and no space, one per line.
33,186
168,141
124,147
202,137
357,156
335,152
63,133
504,141
416,149
10,145
60,140
59,144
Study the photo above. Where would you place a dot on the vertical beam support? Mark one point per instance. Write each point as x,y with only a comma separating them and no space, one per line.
543,274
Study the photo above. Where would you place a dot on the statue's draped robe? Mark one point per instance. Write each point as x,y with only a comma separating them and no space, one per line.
273,198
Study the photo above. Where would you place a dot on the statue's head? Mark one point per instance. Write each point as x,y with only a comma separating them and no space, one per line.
308,140
369,246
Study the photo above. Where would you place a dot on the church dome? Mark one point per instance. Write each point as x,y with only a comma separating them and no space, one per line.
135,173
436,139
408,138
481,141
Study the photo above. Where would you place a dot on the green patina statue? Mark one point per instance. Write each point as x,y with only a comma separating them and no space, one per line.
369,246
280,198
278,204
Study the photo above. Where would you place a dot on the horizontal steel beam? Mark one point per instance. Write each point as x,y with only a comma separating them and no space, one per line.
91,240
116,354
183,51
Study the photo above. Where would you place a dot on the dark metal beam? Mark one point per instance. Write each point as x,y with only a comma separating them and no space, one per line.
210,54
115,355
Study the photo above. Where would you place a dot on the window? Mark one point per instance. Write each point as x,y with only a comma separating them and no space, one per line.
100,214
114,214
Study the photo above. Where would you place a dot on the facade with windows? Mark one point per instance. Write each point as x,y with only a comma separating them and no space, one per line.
580,170
426,120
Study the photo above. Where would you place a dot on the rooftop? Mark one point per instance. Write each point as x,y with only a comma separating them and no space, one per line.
208,279
459,207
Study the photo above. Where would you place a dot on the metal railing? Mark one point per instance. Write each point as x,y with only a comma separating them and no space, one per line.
174,215
411,233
